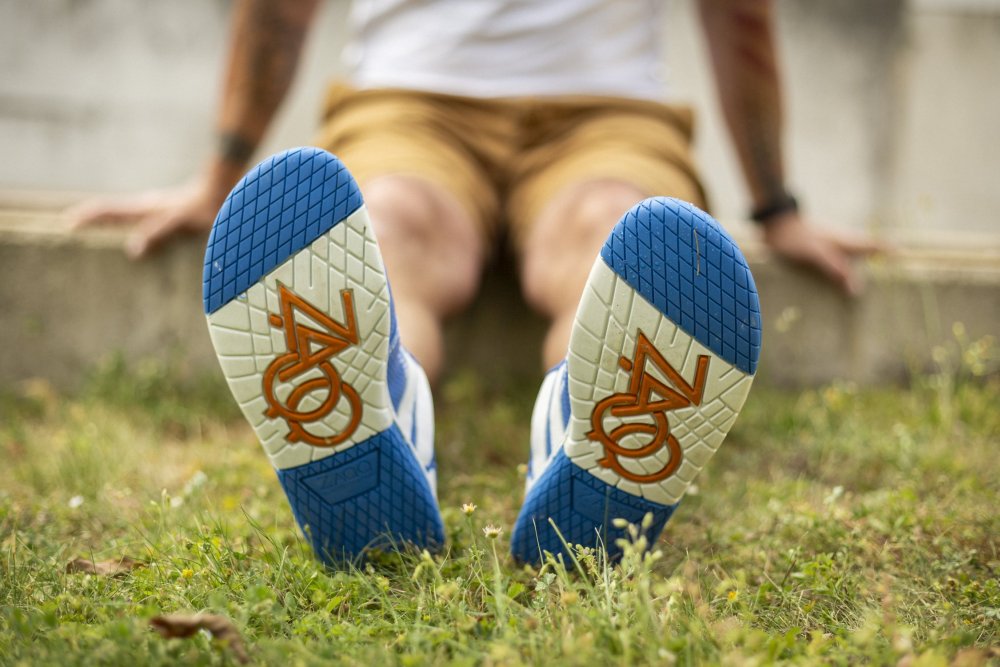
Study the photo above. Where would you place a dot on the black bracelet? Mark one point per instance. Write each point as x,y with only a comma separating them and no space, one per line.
785,203
234,147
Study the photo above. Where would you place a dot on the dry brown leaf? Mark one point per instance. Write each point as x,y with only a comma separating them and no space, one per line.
185,625
107,568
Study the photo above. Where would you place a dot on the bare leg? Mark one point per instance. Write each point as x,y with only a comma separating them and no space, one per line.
561,249
433,256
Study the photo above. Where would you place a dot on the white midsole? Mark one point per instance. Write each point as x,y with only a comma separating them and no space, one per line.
346,257
610,315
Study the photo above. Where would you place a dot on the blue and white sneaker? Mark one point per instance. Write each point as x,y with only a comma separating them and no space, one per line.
662,353
301,316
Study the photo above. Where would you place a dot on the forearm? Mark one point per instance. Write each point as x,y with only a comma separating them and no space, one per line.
740,35
265,44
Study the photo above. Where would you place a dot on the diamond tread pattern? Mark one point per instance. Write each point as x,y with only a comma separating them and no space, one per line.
377,496
374,494
278,208
682,261
582,507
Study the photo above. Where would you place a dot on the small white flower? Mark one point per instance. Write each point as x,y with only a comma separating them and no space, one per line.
75,502
492,532
468,508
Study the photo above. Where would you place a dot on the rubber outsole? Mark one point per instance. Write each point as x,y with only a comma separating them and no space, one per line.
667,335
292,263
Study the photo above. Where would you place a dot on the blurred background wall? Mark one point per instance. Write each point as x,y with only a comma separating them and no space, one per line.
893,105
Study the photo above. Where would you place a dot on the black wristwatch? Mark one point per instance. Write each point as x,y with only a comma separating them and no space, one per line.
785,203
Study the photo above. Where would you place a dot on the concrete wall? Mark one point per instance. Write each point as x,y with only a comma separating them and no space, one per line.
56,323
108,95
893,110
892,106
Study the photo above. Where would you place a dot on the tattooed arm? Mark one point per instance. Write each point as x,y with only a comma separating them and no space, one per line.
741,42
265,44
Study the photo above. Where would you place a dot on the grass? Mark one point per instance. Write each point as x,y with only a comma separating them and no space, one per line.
835,526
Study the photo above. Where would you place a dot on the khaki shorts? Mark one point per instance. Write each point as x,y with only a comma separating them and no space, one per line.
505,159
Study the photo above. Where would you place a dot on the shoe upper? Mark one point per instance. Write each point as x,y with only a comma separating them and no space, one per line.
549,421
412,402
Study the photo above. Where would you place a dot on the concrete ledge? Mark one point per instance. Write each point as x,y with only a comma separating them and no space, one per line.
69,300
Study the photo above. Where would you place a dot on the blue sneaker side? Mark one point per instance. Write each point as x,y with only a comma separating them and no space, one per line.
661,357
300,314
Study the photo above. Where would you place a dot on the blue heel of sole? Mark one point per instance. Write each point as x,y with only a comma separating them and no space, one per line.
582,509
371,496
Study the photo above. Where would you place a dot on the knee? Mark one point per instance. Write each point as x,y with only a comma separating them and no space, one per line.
567,237
401,209
430,245
600,205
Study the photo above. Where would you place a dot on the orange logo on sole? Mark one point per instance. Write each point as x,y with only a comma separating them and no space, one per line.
646,396
310,348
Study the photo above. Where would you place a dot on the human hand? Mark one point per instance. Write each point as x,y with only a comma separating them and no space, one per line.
829,253
156,216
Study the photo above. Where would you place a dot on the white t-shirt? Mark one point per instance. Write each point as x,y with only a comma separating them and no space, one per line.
510,48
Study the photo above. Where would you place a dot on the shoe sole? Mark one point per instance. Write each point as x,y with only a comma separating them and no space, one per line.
671,297
299,312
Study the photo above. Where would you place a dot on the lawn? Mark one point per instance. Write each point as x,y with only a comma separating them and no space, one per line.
836,525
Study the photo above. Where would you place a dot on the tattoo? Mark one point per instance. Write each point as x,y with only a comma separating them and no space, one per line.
235,148
267,39
765,157
276,35
753,32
